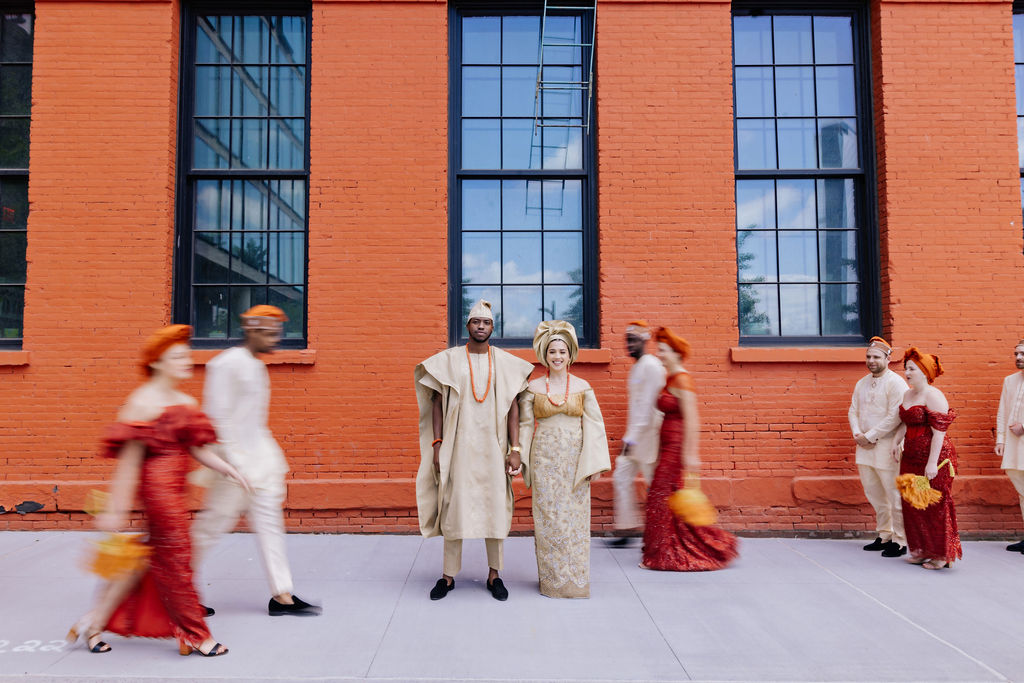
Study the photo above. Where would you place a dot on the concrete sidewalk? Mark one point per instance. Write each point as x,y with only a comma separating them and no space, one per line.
789,609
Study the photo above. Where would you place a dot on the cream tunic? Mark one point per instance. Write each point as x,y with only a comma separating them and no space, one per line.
472,496
875,413
1011,410
643,426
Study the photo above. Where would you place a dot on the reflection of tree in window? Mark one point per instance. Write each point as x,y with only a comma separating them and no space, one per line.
752,319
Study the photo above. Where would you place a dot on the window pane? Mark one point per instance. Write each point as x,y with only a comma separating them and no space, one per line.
759,309
755,204
798,256
1019,79
481,204
250,205
835,91
838,255
796,204
563,146
213,91
210,311
563,257
833,40
248,258
213,40
286,252
520,141
520,257
481,144
242,299
756,255
1020,142
288,40
470,295
252,39
12,312
1018,37
798,310
755,144
840,310
794,90
16,38
250,91
792,40
752,40
14,143
836,203
12,257
249,143
563,205
287,204
291,300
287,143
838,143
564,303
212,142
521,311
796,143
562,30
13,203
520,204
212,258
481,41
481,257
481,94
15,90
520,40
518,87
563,103
755,92
288,91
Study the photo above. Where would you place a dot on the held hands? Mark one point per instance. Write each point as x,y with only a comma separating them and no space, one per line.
895,452
1017,429
862,441
242,481
513,464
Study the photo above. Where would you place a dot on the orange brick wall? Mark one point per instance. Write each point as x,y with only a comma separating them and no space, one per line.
776,449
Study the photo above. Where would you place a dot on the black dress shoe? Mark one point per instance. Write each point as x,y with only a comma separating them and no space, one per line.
298,608
877,544
209,610
441,588
498,590
1017,547
621,542
894,549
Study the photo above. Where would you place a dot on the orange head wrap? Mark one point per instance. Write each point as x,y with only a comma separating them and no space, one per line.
678,344
880,344
926,362
262,317
639,328
161,340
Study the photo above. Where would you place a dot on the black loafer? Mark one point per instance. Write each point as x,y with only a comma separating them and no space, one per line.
1017,547
894,549
621,542
877,544
498,590
441,589
209,610
298,608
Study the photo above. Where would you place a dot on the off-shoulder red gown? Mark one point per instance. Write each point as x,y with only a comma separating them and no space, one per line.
931,532
164,604
669,543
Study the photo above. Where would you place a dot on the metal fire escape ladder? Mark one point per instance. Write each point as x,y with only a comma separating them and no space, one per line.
586,85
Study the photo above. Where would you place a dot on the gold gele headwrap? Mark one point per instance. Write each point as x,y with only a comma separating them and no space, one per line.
928,363
161,340
880,344
263,317
639,328
548,331
481,309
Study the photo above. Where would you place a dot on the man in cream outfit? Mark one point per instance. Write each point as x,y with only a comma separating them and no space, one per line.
643,424
874,416
236,397
1010,430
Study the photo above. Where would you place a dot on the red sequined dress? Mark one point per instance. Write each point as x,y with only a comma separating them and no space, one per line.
669,543
931,532
164,604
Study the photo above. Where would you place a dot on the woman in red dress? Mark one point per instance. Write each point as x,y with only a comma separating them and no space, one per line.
932,536
158,432
671,544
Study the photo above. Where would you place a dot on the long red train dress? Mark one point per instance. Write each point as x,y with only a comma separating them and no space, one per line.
669,543
164,604
932,532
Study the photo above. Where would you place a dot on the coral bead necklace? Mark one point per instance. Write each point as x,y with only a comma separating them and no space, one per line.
472,380
547,389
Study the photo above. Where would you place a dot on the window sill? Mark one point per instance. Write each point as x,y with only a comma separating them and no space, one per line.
14,358
797,354
586,356
282,357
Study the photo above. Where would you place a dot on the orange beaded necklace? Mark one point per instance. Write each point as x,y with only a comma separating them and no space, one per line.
547,389
472,381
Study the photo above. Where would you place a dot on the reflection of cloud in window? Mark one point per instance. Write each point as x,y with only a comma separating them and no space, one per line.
486,269
795,204
512,273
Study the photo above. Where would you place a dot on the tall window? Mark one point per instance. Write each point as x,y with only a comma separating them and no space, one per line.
805,234
243,188
15,103
522,195
1018,59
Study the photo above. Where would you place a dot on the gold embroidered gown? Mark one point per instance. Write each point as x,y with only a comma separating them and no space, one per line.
567,446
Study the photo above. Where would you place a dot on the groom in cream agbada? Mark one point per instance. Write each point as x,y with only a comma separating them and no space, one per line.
469,445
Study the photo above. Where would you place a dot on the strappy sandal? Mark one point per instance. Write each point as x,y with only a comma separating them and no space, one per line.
186,649
916,560
96,647
933,564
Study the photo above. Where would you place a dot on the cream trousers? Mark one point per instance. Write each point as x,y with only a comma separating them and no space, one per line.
880,489
453,555
1017,477
225,503
627,514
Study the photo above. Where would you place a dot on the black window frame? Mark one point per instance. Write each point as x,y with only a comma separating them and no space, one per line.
589,336
1018,9
6,8
865,178
183,284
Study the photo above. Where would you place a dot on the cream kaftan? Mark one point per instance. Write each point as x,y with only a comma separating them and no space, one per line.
567,447
472,496
875,413
1011,410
